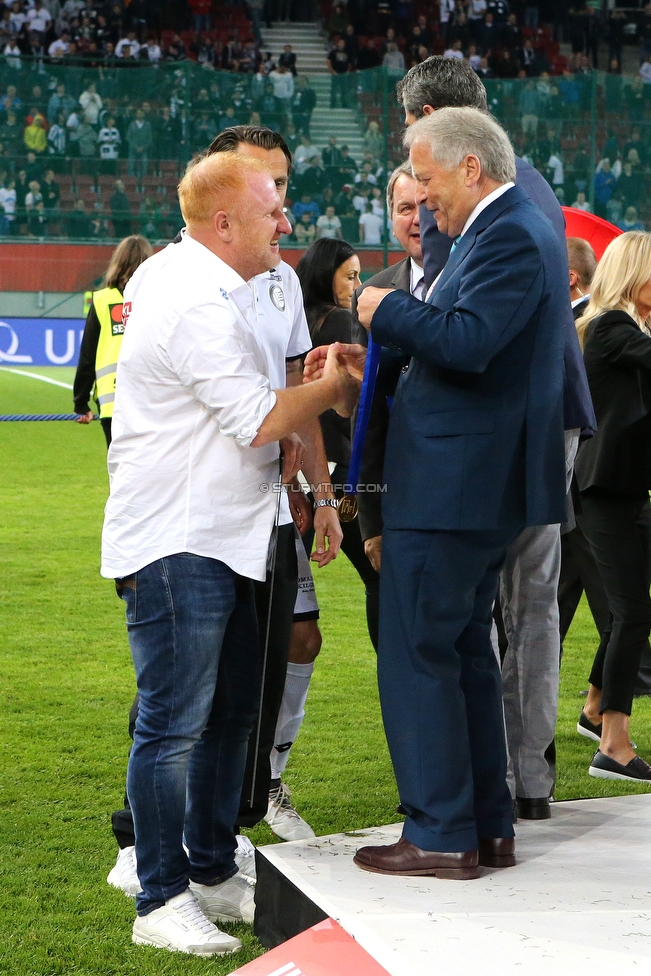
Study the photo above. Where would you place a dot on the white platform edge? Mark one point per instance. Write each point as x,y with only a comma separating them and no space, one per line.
572,829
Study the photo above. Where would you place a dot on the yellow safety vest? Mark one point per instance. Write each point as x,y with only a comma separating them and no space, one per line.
108,307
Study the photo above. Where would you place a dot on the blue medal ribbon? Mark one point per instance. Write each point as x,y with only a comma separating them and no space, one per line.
363,414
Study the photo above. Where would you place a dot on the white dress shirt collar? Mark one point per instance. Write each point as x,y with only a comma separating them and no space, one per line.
416,277
577,301
486,202
229,279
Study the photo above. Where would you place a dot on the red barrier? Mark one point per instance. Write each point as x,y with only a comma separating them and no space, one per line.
52,267
324,950
75,267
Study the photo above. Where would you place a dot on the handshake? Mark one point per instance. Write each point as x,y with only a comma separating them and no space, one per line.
342,366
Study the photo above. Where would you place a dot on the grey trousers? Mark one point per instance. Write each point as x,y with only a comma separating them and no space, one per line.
528,599
527,595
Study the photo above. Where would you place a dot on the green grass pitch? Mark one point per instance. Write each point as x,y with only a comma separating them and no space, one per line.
67,686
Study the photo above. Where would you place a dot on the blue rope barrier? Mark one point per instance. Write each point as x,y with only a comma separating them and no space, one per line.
41,416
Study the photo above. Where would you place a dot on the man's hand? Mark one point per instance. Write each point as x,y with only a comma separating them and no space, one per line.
292,451
349,384
326,526
85,418
373,549
300,507
367,303
352,356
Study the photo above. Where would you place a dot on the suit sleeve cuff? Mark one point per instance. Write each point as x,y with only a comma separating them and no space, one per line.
385,327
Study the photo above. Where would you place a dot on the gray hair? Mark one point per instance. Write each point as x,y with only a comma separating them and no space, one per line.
442,83
454,133
403,170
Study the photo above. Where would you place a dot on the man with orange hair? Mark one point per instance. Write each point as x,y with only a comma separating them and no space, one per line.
192,465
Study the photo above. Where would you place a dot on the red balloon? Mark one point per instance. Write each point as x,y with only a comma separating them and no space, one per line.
598,232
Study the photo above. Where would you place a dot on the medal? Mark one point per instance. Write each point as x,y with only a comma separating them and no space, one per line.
347,508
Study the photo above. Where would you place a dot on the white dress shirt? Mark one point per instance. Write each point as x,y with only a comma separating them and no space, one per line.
193,387
416,281
486,202
473,216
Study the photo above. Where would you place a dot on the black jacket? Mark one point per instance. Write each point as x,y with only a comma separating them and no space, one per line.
618,363
85,374
335,327
579,309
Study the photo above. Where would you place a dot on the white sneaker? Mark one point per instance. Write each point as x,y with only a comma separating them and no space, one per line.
181,926
245,857
124,874
230,901
283,818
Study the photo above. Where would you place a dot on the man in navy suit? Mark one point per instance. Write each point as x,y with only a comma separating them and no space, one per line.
528,590
474,454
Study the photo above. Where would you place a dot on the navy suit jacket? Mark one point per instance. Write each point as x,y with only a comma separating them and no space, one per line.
578,408
476,432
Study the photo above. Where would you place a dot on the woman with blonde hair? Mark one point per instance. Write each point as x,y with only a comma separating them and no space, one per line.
613,472
102,339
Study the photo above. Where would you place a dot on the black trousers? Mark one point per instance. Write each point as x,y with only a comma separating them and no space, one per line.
618,528
255,791
353,547
580,572
106,427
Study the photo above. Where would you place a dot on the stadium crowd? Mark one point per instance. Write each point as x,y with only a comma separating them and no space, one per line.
82,156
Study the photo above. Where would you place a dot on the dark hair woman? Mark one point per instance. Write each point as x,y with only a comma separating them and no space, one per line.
103,334
613,472
329,275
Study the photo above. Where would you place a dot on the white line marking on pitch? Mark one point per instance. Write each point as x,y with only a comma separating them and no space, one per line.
37,376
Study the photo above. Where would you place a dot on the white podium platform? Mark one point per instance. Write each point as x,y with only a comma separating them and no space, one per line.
578,900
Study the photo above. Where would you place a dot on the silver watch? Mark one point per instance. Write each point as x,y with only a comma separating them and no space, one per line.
322,502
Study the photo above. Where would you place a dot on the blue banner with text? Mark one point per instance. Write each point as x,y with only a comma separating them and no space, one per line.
40,342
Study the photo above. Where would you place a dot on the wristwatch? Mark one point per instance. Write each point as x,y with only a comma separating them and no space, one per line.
322,502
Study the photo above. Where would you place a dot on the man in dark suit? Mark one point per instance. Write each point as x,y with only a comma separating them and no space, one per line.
408,276
579,570
528,590
582,263
474,454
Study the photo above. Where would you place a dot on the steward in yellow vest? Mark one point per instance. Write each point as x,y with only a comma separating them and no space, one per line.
108,308
100,346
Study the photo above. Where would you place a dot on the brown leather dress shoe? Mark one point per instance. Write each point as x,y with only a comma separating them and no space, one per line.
406,859
497,852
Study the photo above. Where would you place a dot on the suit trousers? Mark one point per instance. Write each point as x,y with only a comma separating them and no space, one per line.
528,588
440,687
529,604
618,528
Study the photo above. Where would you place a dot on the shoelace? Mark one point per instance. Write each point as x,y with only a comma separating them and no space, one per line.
190,911
282,799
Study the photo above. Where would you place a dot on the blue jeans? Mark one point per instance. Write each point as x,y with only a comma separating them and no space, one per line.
137,164
194,642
